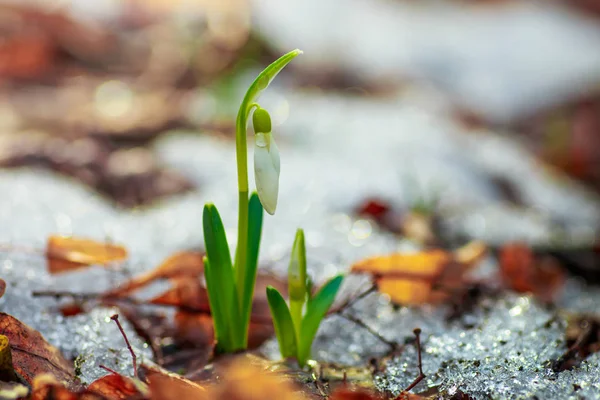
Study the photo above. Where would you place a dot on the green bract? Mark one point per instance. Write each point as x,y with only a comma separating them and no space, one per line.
230,284
296,331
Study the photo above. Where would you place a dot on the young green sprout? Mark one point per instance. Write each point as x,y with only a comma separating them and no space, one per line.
230,284
297,325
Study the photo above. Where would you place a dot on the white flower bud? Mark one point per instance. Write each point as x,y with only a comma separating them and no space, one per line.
266,170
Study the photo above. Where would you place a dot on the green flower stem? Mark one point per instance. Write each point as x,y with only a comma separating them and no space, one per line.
242,245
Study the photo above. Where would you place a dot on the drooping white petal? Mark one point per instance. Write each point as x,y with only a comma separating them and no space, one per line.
266,170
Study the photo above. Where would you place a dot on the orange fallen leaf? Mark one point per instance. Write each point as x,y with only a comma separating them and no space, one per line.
194,329
247,381
181,264
424,264
186,293
116,387
524,273
164,385
45,386
109,387
421,277
32,355
67,253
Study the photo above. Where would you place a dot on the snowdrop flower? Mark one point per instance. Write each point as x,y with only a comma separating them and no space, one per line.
266,161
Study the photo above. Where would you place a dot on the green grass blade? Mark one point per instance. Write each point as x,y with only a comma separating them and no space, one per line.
315,311
282,321
221,274
248,276
222,333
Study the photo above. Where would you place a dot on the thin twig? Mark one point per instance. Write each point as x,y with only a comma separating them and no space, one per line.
393,345
85,296
112,371
116,319
59,294
353,300
421,376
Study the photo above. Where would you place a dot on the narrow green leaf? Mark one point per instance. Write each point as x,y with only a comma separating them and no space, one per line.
282,321
221,273
297,269
315,311
248,275
297,280
222,334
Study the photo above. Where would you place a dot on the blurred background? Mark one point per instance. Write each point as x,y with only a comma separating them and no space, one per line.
480,117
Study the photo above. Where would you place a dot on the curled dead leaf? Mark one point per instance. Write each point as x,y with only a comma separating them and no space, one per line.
67,253
32,355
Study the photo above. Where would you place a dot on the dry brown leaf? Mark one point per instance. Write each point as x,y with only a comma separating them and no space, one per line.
32,355
421,277
181,264
523,272
187,293
246,381
46,387
196,329
164,385
422,265
68,253
2,287
116,387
